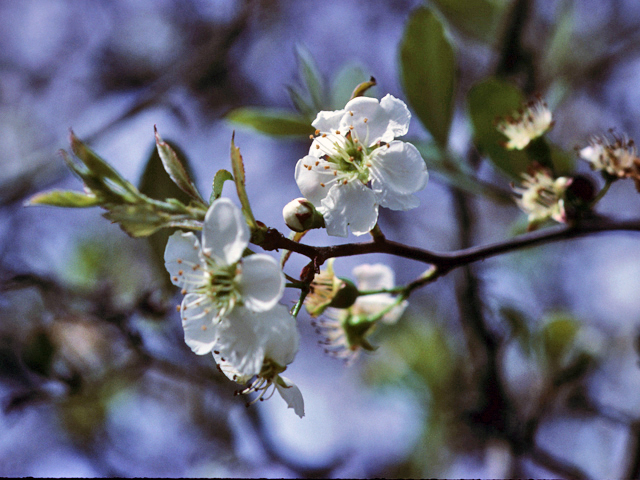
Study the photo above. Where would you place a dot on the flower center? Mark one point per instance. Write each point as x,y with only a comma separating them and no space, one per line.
220,286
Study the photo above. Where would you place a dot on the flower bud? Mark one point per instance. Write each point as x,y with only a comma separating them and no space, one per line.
300,215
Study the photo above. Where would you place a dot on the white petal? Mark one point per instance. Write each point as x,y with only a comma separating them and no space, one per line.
225,234
262,282
398,113
374,277
197,321
310,181
180,257
240,342
328,121
397,172
351,205
292,395
282,335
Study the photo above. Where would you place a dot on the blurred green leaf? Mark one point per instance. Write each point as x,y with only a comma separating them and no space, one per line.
488,100
481,19
310,76
563,163
176,170
220,177
343,84
558,335
271,121
301,104
65,198
428,72
559,48
519,328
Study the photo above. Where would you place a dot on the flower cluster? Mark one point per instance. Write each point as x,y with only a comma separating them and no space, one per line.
231,302
615,156
345,330
525,125
542,196
355,165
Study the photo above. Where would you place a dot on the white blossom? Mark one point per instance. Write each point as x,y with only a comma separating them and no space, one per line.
616,155
541,196
214,276
259,346
525,125
355,165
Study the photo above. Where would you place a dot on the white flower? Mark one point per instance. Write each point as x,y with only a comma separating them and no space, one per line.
615,155
345,330
259,345
542,196
525,125
355,165
215,278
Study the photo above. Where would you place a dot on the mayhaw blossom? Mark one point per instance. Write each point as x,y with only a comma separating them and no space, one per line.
214,276
526,124
346,329
255,348
614,155
355,165
328,290
541,196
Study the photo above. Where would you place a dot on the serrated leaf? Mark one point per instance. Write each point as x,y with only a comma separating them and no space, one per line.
65,198
343,84
176,170
237,165
309,74
481,19
488,100
218,182
271,121
428,72
156,183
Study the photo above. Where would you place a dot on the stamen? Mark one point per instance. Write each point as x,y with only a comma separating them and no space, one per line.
322,184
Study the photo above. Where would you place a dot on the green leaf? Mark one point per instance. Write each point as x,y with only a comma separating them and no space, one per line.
558,336
176,170
65,198
237,165
519,327
271,121
343,84
481,19
488,100
428,72
156,183
218,182
301,104
310,76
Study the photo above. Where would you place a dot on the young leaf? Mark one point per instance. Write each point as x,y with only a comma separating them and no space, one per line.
218,182
65,198
271,121
488,100
175,169
428,72
481,19
311,77
237,165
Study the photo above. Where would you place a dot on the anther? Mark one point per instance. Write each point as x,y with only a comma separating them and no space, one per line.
317,163
177,308
183,291
179,260
180,272
175,279
338,132
345,181
203,327
366,119
359,148
322,184
317,132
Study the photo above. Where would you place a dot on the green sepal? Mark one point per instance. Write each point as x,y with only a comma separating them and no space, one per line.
428,72
176,171
65,198
220,177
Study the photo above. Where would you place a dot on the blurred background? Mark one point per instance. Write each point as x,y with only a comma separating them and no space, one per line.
522,365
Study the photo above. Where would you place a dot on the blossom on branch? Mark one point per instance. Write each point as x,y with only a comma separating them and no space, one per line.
215,277
259,346
525,125
355,165
614,155
541,196
346,329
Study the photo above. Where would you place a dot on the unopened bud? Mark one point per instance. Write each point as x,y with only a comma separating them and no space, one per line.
300,215
346,295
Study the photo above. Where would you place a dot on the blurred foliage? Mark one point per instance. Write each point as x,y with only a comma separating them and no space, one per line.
481,19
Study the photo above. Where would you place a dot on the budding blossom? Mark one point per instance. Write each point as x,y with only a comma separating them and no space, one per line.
525,125
616,156
542,196
214,276
300,215
345,329
355,165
